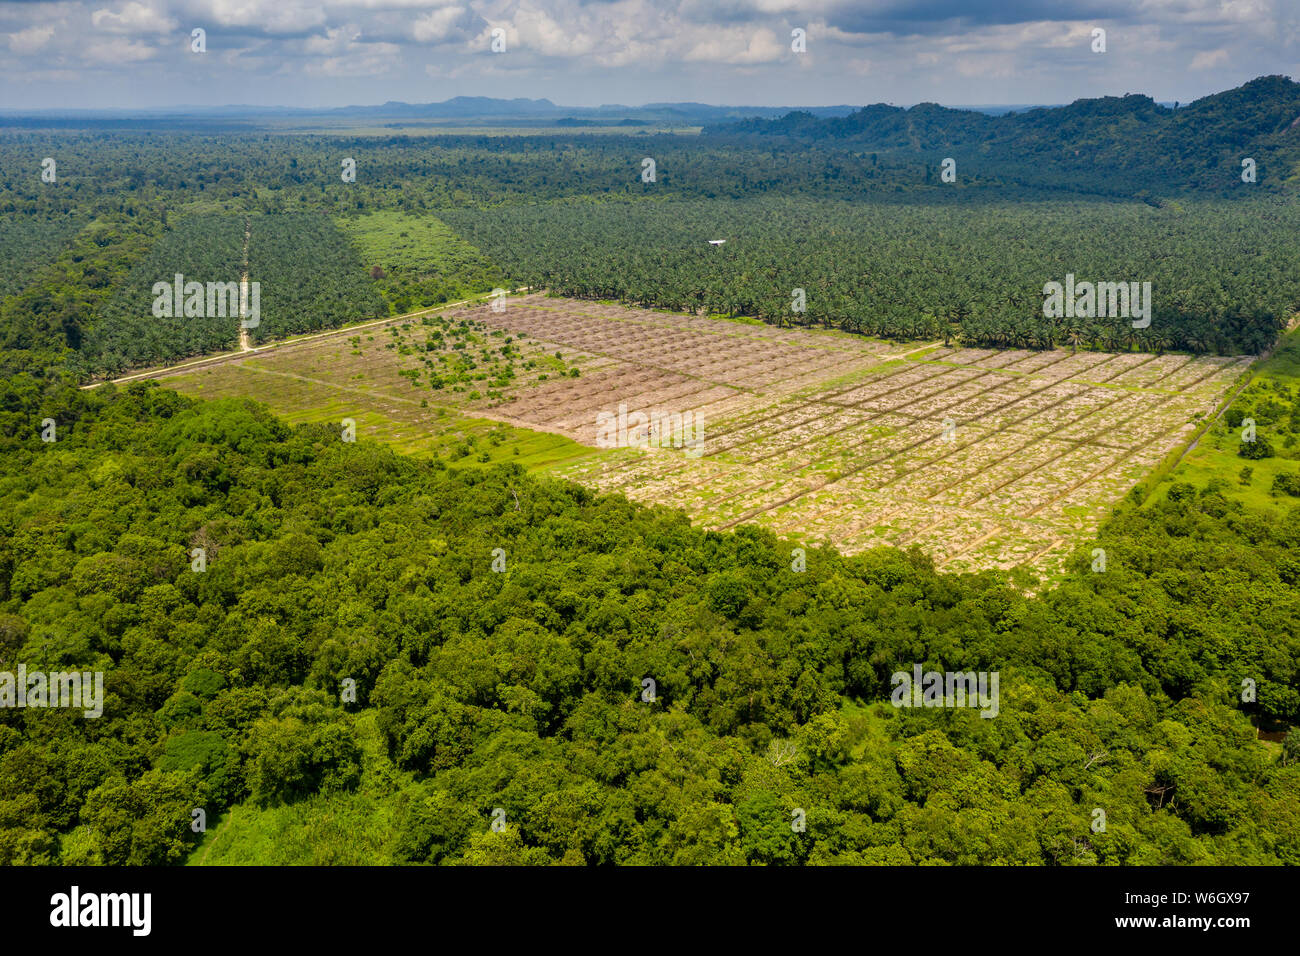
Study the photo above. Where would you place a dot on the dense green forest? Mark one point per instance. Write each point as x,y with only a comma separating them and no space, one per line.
330,562
49,320
26,243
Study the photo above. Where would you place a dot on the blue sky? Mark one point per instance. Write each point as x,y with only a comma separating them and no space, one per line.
136,54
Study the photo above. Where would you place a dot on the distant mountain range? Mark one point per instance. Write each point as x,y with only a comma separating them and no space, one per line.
1201,144
457,110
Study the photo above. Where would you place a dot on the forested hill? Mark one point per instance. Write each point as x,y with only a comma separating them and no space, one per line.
1197,146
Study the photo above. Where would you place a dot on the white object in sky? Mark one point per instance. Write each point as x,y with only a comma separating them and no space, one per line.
716,242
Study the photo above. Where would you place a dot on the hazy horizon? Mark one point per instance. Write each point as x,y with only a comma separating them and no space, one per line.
212,107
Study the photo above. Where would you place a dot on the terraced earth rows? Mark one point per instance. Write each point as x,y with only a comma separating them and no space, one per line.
983,458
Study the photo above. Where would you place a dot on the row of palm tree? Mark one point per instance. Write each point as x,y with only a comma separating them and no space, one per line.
1222,275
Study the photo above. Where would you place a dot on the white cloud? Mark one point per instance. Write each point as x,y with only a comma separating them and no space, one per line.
133,17
440,25
118,50
343,51
277,17
30,40
1207,59
738,45
368,64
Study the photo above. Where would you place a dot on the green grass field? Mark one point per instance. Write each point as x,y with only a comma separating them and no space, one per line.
424,263
412,428
1215,456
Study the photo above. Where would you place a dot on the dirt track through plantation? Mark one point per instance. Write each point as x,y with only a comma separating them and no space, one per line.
244,344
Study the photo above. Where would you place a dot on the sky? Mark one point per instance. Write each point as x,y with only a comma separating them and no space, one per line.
138,54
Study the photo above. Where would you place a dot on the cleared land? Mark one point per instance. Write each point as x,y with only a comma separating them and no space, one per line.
421,262
406,382
983,458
